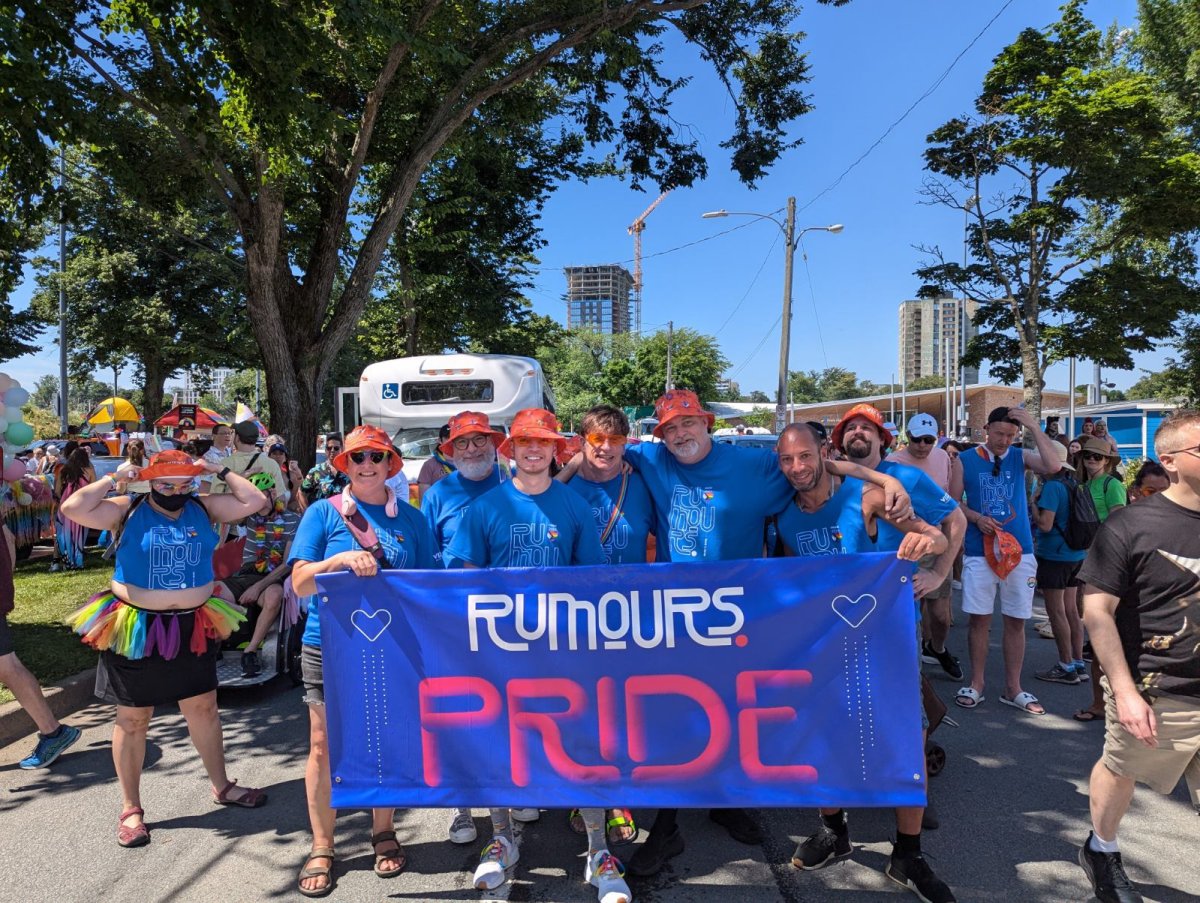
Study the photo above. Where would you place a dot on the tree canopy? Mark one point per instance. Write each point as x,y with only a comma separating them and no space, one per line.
1082,191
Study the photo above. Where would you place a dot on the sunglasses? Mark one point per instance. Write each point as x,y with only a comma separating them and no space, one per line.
377,457
466,442
170,487
996,465
332,450
923,440
598,439
1092,456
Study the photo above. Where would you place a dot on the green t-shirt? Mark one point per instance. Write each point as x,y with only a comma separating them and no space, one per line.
1107,493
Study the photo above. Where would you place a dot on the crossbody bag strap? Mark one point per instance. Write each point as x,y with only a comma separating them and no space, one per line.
360,528
616,512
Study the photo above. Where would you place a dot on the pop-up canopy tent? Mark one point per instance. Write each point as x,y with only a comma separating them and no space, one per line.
191,417
112,411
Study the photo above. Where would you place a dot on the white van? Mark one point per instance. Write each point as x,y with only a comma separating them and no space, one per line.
412,397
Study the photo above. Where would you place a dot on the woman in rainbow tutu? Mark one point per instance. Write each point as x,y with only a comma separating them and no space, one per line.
159,628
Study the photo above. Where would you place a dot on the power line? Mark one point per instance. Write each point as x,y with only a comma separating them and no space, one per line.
813,295
770,251
770,331
668,250
933,87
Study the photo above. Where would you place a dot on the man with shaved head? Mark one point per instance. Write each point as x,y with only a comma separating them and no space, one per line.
1141,605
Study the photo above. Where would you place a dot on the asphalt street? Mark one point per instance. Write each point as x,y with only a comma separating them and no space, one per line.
1012,801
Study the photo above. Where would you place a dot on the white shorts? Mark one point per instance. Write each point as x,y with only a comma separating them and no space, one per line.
979,584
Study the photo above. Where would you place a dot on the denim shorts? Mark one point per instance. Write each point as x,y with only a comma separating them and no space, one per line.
312,675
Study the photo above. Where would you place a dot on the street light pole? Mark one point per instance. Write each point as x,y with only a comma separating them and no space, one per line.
791,239
785,338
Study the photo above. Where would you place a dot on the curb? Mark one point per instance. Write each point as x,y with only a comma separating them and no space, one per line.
64,698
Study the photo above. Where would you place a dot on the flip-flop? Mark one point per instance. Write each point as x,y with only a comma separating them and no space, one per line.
1023,701
621,821
1086,715
968,697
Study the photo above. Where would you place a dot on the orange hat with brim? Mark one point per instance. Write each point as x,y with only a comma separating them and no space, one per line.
870,413
533,423
170,465
470,423
1002,551
368,438
679,403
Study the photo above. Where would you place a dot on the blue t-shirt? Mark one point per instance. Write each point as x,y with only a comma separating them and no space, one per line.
836,528
1053,545
506,528
626,543
159,552
712,510
930,502
447,500
406,540
1000,496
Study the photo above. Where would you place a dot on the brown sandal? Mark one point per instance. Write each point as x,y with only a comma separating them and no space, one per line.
251,798
398,855
317,871
132,835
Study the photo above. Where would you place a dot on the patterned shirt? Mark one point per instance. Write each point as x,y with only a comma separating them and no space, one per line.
323,482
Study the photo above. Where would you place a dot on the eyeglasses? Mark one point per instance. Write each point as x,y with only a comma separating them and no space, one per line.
170,487
1146,491
331,450
1092,456
598,439
1192,450
377,457
531,440
923,440
476,441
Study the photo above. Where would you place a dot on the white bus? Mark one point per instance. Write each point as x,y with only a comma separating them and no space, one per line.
412,397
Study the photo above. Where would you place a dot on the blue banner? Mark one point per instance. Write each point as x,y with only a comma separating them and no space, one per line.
782,682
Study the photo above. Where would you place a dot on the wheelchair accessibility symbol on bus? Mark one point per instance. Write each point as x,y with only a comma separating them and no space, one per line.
391,391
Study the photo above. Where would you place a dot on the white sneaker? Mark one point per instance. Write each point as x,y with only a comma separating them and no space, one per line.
462,828
605,872
525,815
497,856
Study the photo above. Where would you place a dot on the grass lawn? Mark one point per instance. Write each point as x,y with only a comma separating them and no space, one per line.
47,647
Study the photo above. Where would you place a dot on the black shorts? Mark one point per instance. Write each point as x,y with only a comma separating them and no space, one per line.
1057,574
312,675
6,637
154,680
240,582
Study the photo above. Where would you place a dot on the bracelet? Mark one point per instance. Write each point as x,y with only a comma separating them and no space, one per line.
223,473
113,480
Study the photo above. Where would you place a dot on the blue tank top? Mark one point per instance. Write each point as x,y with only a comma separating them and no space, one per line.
836,528
159,553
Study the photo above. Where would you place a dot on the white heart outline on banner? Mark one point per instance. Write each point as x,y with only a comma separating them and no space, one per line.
852,605
371,616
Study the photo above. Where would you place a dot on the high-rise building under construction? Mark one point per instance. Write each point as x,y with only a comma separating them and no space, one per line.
598,298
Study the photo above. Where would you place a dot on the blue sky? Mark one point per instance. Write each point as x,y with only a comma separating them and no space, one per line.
870,61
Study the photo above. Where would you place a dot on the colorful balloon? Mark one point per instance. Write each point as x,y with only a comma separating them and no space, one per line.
14,470
15,396
19,433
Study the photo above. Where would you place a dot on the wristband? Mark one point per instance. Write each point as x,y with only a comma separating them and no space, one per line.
223,473
112,479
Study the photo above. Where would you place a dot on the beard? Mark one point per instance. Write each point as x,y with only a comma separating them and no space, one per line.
858,448
686,451
476,470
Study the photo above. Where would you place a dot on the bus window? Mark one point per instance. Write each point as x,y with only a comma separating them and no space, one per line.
447,392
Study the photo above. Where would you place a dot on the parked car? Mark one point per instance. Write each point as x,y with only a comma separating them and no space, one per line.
750,440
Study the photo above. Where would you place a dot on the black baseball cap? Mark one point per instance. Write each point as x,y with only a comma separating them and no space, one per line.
1001,415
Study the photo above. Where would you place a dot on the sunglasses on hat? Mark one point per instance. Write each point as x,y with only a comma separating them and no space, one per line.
377,457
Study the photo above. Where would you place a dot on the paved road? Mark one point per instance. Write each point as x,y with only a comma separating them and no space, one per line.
1012,801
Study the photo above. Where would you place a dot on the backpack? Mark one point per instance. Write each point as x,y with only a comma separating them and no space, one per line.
1083,522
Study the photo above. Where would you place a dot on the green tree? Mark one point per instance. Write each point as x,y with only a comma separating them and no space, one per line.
758,397
291,115
45,392
932,381
1082,194
696,364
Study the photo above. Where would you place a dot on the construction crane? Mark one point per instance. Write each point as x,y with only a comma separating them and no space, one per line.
635,229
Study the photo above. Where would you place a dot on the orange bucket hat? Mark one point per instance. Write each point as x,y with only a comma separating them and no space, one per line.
172,464
871,413
679,403
1002,551
533,423
466,424
368,438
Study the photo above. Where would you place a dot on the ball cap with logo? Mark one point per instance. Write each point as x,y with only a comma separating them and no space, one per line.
469,423
868,412
368,438
533,423
922,425
679,403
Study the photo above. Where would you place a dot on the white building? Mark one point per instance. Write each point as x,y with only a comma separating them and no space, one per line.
926,325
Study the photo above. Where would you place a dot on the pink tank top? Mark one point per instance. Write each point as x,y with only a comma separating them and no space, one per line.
936,466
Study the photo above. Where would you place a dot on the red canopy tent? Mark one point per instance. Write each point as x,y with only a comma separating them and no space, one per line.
191,417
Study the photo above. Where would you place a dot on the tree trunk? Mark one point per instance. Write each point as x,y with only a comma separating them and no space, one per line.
154,378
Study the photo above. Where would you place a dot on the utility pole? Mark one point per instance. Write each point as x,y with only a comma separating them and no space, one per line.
670,343
789,251
62,288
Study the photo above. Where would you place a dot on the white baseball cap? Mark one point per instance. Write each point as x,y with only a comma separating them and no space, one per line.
922,425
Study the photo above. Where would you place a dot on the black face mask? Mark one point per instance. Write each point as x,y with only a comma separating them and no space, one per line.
173,502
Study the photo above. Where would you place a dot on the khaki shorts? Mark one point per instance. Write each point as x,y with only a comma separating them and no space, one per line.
1177,754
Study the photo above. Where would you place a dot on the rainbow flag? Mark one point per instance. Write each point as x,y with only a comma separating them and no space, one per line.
244,413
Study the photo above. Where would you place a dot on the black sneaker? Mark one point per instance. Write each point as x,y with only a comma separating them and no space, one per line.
1110,884
1088,655
824,847
1058,675
250,664
913,872
948,662
739,824
652,855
